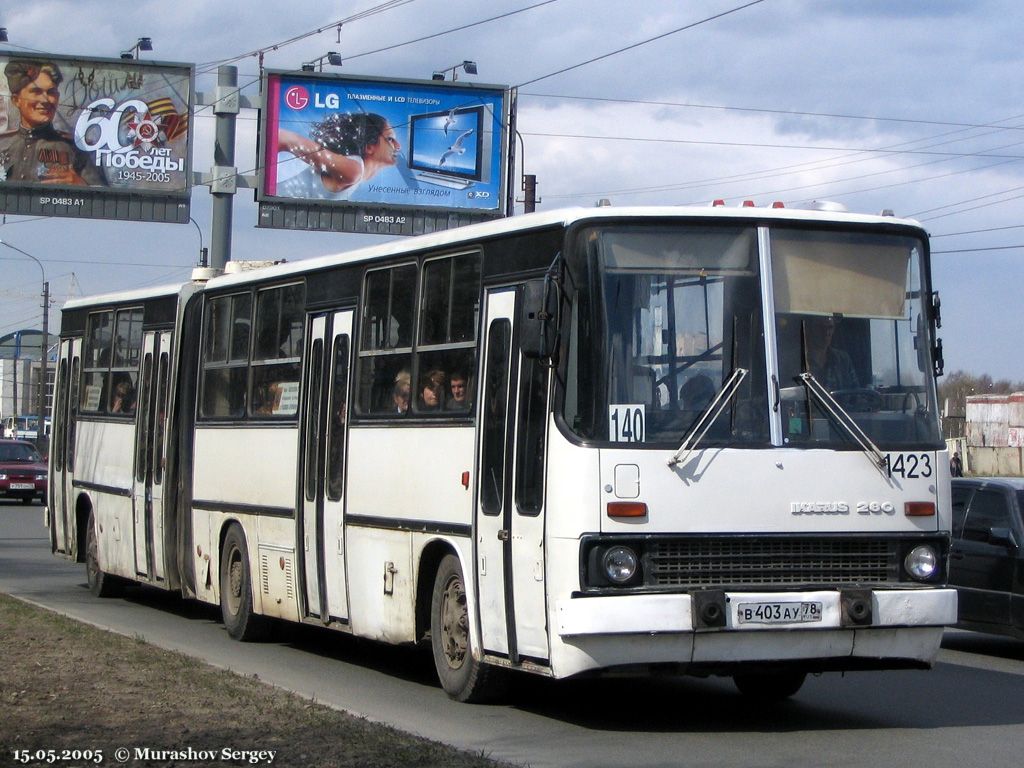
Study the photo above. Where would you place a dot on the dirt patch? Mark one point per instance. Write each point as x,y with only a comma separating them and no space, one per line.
67,686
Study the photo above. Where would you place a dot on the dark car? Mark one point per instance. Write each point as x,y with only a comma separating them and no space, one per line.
986,562
22,471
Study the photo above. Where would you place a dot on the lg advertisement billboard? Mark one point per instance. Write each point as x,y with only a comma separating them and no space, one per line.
380,155
95,138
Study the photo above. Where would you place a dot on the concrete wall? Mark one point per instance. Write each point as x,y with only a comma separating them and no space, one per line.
995,421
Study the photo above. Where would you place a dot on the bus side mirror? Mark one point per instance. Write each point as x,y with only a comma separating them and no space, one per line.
537,319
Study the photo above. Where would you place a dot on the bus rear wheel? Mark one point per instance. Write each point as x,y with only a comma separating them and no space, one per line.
770,686
236,589
462,677
101,584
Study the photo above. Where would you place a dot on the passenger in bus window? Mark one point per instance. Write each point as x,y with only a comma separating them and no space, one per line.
431,390
458,392
266,398
831,366
122,397
400,393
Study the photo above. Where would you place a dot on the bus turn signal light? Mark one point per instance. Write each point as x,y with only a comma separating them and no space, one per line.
919,509
618,509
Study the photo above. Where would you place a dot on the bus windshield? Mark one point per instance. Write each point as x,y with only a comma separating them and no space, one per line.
677,311
850,311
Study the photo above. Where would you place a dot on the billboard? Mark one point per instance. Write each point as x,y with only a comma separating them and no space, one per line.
95,138
380,155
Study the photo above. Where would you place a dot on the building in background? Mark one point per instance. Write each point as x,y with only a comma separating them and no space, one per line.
20,353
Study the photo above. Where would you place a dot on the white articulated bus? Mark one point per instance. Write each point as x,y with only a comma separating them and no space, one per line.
692,440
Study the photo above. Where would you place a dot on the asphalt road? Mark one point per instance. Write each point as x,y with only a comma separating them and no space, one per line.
968,711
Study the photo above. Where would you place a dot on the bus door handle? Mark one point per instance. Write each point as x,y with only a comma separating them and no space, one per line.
503,534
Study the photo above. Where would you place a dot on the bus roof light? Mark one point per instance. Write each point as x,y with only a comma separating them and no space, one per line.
748,204
919,509
717,203
778,204
627,509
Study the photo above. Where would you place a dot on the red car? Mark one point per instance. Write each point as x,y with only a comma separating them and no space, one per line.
22,472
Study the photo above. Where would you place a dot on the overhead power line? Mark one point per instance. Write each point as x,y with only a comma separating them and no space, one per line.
759,145
978,250
448,31
641,43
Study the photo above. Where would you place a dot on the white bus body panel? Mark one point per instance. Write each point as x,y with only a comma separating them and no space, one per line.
770,491
394,487
254,466
104,461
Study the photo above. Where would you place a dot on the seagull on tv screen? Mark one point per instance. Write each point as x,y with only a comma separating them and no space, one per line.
456,148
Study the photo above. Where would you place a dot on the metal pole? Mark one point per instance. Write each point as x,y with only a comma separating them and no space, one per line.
42,439
16,410
529,193
223,190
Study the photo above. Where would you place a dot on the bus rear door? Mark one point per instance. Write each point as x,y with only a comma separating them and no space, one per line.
62,447
146,454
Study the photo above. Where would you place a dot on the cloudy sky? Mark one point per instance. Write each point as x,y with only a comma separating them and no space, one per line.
907,105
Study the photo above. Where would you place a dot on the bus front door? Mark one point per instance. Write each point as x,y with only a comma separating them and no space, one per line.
510,513
325,418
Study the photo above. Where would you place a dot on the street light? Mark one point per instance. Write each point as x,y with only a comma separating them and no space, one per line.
333,57
144,44
41,439
469,66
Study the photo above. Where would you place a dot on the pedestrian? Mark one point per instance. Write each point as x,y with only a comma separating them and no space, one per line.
956,467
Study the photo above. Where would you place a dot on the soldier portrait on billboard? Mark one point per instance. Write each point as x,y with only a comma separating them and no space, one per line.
36,151
341,152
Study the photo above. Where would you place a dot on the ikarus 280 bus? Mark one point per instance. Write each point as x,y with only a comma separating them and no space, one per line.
693,440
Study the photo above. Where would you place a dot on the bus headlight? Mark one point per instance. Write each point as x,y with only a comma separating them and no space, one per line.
922,562
619,564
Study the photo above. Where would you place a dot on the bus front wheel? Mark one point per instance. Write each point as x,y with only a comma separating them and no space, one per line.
462,677
236,589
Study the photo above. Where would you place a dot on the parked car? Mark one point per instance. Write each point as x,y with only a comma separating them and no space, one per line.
986,561
22,472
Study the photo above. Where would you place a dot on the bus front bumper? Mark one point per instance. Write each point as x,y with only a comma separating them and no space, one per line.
902,629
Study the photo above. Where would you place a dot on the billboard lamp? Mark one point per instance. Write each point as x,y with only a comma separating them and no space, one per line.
144,44
333,57
469,66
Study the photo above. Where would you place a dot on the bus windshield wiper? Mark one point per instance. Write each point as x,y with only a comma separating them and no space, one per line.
708,417
844,419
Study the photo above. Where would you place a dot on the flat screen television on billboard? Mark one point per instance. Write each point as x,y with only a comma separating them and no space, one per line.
450,148
358,154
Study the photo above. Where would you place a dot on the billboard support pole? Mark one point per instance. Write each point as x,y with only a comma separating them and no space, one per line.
224,172
43,439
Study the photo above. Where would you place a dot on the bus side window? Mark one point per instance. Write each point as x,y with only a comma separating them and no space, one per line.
226,336
385,349
446,344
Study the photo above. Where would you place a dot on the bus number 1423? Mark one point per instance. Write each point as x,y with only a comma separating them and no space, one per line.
909,465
